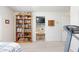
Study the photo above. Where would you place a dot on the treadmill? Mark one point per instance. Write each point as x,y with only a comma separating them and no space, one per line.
71,31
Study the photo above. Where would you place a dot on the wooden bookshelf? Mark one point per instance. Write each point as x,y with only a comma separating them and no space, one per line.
24,27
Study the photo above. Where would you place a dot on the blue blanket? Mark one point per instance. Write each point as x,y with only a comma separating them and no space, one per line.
10,47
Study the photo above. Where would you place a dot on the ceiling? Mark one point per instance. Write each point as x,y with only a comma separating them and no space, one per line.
41,8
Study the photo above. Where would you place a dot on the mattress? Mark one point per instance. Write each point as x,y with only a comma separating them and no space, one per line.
10,47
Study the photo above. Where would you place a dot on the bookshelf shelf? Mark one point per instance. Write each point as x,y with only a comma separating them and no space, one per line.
24,27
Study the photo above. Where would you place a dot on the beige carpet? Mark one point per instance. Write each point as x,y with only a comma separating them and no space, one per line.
42,46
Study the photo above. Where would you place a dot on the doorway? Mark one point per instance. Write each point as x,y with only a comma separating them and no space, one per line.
40,28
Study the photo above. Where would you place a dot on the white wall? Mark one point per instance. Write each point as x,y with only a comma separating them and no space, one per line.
7,30
53,33
74,14
74,21
0,28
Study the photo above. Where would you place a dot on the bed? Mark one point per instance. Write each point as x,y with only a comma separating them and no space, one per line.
10,47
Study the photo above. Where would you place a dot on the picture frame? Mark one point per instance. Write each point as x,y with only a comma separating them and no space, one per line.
51,22
7,21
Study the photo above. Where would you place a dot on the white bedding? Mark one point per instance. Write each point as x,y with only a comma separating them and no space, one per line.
10,47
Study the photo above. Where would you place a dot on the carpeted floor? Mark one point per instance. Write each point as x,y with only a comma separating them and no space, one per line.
42,46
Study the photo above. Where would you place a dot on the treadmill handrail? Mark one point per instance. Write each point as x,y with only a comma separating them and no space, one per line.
76,36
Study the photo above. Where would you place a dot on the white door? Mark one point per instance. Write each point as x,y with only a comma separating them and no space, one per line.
65,21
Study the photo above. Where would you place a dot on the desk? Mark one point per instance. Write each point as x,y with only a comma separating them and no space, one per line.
40,36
